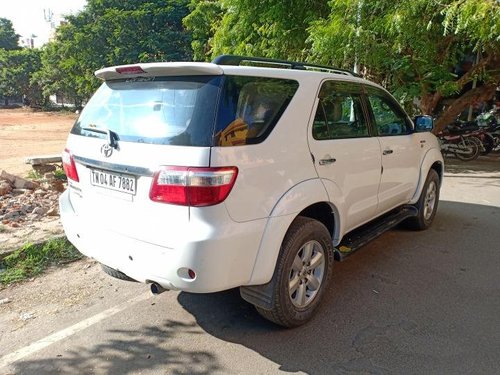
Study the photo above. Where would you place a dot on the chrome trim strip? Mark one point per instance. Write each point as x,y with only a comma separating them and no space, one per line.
120,168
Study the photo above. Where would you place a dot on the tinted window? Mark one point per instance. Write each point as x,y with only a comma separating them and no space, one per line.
173,110
388,117
339,113
250,107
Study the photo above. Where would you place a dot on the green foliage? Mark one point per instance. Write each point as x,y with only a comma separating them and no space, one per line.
413,47
112,32
16,71
8,38
60,175
267,28
477,20
203,22
31,260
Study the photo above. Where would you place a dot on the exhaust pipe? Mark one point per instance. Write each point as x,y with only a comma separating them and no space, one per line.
157,289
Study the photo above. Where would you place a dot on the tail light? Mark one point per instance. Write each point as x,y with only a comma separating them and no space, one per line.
69,165
192,186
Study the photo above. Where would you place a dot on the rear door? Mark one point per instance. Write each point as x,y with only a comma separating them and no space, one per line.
127,130
344,150
400,150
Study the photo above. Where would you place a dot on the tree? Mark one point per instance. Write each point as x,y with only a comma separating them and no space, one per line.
16,70
8,37
416,47
203,22
268,28
113,32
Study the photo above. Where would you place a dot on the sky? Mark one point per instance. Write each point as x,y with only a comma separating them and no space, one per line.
27,16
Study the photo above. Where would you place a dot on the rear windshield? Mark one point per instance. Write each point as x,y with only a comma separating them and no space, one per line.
176,111
187,111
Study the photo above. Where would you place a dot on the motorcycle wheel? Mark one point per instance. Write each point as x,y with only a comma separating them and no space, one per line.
469,149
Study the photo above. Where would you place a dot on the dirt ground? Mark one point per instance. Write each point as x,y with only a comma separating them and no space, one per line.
25,133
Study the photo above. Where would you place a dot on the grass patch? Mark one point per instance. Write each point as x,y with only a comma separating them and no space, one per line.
2,228
58,173
33,175
31,260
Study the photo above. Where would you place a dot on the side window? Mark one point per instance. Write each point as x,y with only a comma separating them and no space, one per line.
339,114
250,107
388,118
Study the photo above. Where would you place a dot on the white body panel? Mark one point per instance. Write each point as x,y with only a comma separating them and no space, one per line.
431,153
356,172
133,215
400,169
205,244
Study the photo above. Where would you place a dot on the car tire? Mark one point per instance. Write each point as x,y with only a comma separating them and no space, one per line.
427,203
302,274
115,273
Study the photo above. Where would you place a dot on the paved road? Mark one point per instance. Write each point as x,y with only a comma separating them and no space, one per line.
413,303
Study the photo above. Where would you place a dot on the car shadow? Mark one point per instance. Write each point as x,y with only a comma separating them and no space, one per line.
388,308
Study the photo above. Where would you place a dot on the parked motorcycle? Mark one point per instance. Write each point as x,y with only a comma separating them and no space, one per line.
485,129
483,137
490,121
463,147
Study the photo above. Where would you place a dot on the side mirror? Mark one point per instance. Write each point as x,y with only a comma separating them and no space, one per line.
423,123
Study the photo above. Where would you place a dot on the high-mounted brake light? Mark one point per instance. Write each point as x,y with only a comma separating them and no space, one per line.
135,69
69,165
192,186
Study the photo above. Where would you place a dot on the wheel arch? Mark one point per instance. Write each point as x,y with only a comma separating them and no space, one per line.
433,159
309,199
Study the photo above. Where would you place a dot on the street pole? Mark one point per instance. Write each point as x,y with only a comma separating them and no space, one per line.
474,84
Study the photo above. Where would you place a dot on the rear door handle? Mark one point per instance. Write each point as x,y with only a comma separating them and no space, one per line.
327,161
387,152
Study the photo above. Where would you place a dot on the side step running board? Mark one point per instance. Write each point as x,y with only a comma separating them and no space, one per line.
352,241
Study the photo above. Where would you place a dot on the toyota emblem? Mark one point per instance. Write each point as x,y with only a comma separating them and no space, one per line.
106,150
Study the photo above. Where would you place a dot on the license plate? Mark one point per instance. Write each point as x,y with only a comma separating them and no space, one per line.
113,181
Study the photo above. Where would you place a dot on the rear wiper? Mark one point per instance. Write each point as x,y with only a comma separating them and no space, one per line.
111,135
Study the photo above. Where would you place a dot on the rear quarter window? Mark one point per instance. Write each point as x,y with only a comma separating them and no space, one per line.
250,107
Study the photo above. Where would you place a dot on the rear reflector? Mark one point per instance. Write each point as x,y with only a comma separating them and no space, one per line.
135,69
69,165
192,186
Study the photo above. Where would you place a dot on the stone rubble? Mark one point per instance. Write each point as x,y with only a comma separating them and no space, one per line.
23,202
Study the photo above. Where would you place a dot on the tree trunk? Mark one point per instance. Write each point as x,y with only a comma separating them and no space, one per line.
428,103
474,96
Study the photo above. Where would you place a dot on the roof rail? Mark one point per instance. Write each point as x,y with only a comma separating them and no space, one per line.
237,60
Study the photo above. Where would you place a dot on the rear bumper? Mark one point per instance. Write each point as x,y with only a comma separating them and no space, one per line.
222,258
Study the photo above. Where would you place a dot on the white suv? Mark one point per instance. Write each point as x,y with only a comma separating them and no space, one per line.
243,172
